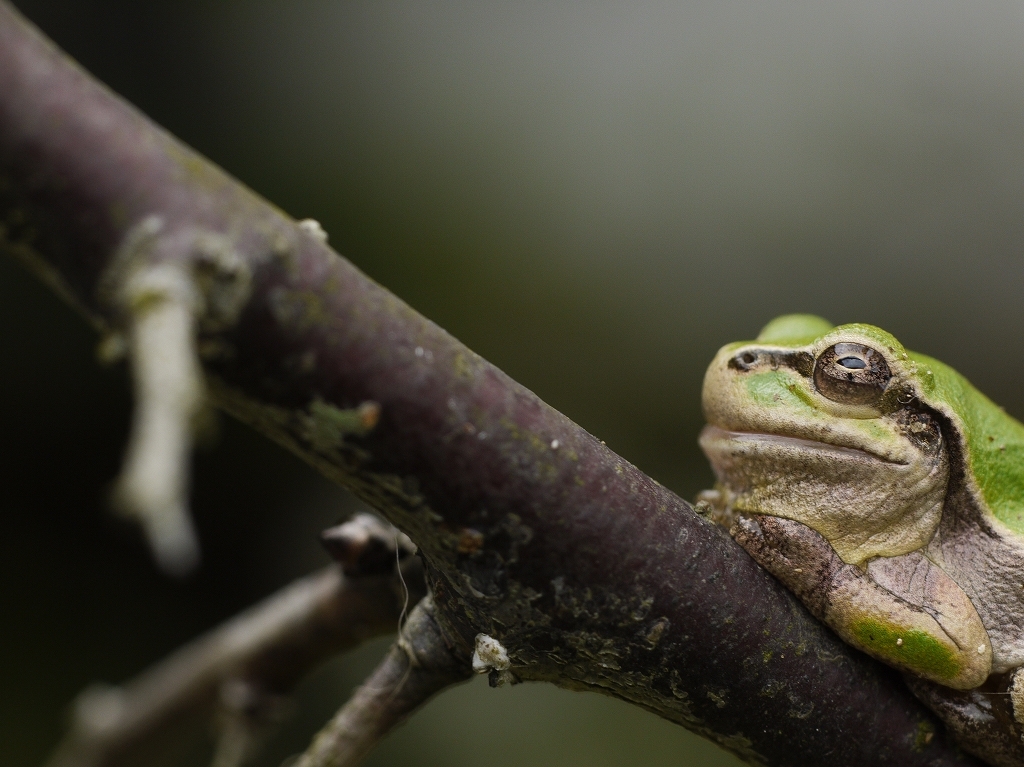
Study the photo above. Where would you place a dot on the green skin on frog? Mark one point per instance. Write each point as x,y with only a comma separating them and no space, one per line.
879,486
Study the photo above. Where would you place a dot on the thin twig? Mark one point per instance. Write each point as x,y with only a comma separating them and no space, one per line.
267,648
249,715
153,486
418,666
163,285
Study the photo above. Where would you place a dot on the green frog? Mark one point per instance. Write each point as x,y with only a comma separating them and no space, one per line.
887,493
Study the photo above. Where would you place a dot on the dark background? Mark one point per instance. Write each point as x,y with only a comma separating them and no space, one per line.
594,198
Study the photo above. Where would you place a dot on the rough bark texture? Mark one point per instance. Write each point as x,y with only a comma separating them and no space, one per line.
589,573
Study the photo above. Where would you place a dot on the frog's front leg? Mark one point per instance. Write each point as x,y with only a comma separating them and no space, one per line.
904,610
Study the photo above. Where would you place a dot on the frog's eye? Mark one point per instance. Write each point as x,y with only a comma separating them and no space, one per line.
852,374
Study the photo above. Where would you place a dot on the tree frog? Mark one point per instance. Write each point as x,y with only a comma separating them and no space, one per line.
888,494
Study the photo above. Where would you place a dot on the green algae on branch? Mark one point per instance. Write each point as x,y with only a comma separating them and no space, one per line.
326,426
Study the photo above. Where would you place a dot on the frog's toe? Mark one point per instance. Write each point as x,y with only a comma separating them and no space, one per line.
795,554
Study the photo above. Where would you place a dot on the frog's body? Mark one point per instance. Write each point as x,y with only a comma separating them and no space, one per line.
886,492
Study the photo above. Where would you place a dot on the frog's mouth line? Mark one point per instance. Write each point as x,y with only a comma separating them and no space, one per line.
716,434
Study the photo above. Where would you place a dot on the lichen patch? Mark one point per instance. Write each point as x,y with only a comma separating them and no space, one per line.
490,657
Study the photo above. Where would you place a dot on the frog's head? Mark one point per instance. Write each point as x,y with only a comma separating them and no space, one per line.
827,426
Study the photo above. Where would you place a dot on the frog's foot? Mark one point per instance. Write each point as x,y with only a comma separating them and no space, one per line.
792,552
916,619
714,504
984,721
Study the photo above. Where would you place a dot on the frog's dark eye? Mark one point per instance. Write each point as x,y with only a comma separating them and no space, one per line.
852,374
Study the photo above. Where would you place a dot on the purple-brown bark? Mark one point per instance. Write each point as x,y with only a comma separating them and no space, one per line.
591,574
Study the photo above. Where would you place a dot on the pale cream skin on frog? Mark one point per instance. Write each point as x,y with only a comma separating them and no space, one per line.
844,473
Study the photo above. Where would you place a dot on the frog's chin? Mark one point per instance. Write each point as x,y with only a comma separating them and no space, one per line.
714,439
864,504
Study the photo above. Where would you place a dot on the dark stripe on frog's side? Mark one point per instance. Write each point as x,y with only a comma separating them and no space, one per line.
992,441
918,651
979,557
921,426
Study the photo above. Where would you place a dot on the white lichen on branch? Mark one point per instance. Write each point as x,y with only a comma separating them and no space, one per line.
490,657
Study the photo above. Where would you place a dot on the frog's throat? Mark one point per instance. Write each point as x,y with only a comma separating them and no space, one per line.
864,505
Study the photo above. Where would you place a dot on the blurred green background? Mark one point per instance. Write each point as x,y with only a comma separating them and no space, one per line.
593,196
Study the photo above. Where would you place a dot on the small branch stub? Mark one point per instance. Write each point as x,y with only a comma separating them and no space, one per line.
366,545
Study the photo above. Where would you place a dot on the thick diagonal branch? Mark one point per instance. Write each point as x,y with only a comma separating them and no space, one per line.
589,574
